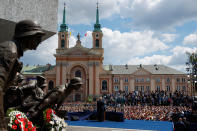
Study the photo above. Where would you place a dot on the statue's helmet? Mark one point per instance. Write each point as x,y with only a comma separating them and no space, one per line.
20,78
76,81
41,81
27,28
40,78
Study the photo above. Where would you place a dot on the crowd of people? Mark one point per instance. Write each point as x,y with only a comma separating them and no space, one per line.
162,98
158,106
155,113
155,106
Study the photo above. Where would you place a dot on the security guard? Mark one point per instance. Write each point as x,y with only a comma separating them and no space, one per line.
27,36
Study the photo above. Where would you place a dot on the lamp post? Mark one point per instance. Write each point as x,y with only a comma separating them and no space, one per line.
192,72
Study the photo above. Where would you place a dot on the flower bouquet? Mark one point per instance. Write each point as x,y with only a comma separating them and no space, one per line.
53,122
19,122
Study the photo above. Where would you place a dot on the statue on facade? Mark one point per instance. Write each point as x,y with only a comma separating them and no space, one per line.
28,35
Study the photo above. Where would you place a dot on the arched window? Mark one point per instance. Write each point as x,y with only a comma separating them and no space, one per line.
97,43
62,43
51,84
104,85
78,73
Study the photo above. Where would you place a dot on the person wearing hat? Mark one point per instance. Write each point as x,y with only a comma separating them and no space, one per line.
27,36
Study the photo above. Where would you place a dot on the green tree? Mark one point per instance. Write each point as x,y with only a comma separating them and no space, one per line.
192,71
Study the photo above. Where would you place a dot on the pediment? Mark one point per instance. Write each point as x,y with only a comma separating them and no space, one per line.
78,52
141,72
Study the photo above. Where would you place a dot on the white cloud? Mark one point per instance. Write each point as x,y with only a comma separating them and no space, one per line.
45,52
152,14
119,47
190,39
72,41
150,60
176,60
168,37
159,14
84,12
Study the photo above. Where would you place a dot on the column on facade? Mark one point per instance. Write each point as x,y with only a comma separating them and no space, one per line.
57,73
64,77
90,79
152,84
110,85
121,83
173,88
87,87
163,85
131,84
97,82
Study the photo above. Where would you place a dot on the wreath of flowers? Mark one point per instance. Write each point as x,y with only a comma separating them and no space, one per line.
19,122
53,122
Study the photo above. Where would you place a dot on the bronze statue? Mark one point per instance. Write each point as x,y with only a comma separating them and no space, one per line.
32,93
24,96
55,98
27,37
30,98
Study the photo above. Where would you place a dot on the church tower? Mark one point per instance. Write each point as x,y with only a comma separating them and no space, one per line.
63,35
97,34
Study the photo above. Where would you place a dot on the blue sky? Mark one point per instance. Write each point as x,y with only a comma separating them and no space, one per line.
135,31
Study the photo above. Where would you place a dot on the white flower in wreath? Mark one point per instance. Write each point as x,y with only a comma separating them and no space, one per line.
52,122
65,124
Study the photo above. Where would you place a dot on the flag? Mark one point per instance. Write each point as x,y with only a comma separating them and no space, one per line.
70,33
86,34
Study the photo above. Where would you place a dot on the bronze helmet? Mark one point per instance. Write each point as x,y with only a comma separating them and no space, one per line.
27,28
20,78
40,78
76,81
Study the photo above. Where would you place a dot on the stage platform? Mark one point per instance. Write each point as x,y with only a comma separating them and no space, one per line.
127,125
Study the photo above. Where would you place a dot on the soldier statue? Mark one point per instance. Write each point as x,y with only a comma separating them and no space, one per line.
27,36
54,98
32,93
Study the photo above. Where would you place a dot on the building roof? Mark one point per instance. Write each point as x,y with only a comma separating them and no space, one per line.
36,70
116,69
130,69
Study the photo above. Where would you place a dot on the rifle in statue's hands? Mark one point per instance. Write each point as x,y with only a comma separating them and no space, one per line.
55,98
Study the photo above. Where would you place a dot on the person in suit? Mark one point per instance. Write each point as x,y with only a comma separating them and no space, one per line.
100,110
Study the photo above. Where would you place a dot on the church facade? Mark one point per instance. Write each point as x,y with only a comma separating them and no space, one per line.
99,79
